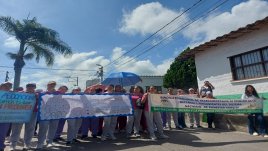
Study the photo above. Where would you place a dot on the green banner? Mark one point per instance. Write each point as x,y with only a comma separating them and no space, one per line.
265,106
187,103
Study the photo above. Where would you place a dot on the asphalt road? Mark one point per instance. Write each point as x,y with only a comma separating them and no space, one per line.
180,140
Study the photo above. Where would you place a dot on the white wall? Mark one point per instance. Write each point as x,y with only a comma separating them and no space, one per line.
213,64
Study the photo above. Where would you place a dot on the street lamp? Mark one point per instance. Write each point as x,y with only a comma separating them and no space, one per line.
100,72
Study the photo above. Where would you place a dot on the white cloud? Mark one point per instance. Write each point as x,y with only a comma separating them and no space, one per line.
88,61
74,59
11,42
148,18
219,24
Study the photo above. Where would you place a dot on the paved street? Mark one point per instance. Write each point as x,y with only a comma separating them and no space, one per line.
180,140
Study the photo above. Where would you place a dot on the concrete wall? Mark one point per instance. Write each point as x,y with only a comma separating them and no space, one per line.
213,64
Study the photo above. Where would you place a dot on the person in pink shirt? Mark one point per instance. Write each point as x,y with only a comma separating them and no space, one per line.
138,106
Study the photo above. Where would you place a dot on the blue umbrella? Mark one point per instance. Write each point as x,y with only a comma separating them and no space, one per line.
122,78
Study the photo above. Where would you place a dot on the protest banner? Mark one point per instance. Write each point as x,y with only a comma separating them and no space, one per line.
173,103
16,107
81,106
265,106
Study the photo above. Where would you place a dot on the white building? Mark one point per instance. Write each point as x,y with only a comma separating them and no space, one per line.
147,81
234,60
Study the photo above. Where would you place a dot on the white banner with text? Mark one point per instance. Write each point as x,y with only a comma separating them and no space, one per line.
82,106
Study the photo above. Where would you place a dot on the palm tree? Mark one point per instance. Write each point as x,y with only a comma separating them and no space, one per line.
36,41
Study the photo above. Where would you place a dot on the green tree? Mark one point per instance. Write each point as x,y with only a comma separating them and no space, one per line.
181,74
36,41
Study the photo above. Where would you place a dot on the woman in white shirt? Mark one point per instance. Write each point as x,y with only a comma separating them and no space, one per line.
251,93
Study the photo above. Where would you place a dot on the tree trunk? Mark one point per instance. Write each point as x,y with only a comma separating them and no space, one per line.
17,77
18,65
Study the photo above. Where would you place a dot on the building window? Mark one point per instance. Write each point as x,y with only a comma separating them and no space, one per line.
252,64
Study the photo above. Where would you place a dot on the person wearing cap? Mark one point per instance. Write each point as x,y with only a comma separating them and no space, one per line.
4,127
29,126
47,129
194,116
73,124
62,90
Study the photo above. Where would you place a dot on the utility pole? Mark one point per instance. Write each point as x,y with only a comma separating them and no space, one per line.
7,77
100,72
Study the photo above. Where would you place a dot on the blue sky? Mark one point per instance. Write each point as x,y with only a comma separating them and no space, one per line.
100,31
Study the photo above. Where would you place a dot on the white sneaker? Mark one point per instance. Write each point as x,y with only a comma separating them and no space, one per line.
255,134
163,136
49,145
266,136
137,134
153,138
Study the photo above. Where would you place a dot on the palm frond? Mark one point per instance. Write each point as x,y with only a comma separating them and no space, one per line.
8,25
50,39
42,52
12,56
28,56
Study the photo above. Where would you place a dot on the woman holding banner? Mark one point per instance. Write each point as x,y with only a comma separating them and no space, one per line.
136,97
181,115
3,126
251,93
210,116
29,127
62,90
167,116
90,123
108,128
73,124
194,116
153,117
47,129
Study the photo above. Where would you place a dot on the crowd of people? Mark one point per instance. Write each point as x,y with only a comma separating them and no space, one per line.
143,120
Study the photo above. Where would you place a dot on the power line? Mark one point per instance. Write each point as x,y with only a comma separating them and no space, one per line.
49,68
174,32
195,4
